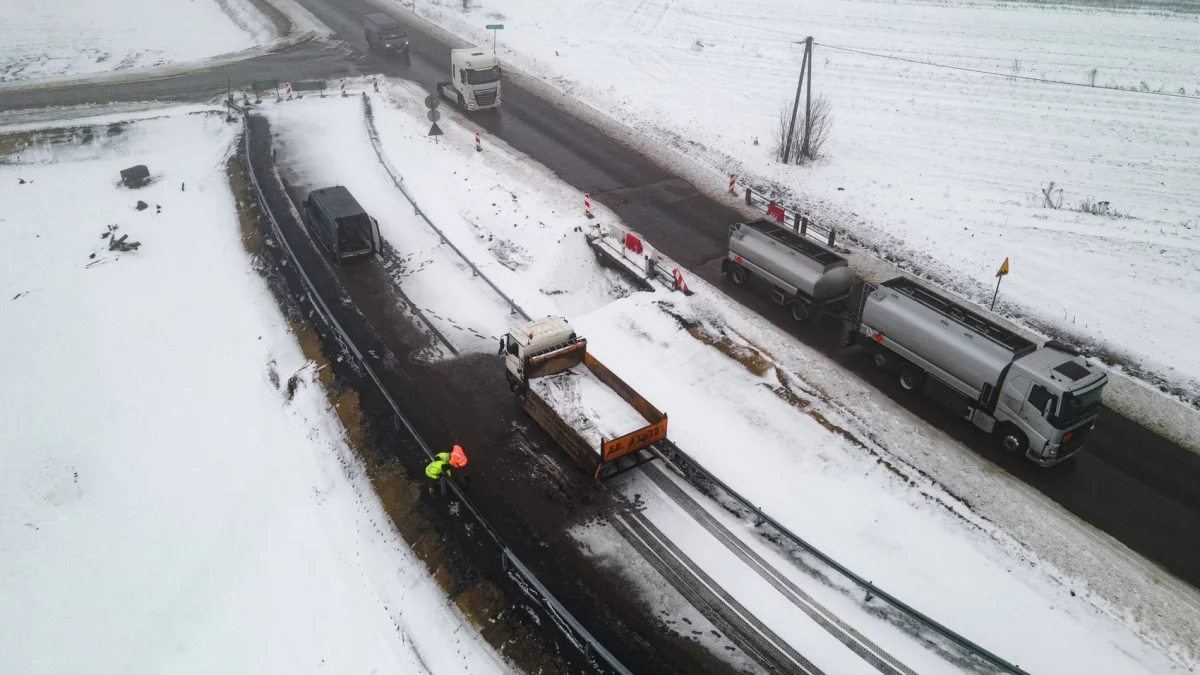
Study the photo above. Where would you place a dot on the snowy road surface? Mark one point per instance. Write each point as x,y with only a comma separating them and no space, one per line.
815,447
940,170
164,507
81,37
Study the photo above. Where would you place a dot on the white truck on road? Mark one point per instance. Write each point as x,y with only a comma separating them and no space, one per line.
1041,401
474,79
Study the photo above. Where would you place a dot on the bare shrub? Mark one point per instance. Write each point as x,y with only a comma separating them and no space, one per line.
1093,207
1052,196
1016,67
1092,76
820,128
1143,87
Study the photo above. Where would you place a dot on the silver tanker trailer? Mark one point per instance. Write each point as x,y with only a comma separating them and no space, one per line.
797,273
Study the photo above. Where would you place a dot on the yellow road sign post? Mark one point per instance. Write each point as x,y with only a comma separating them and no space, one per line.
1000,274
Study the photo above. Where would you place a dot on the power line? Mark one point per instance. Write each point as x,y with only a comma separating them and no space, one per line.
1009,76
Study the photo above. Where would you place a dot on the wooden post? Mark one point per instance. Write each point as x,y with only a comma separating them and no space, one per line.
808,101
747,195
796,222
803,225
787,144
832,236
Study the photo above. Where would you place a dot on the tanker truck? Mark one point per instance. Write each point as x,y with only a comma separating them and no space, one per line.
797,273
1041,402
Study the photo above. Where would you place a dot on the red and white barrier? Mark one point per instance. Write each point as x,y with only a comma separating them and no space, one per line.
478,148
732,182
342,85
289,91
587,205
680,284
375,83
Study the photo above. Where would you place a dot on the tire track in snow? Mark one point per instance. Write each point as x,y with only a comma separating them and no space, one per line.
847,635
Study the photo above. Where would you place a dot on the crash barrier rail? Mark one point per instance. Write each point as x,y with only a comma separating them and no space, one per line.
534,589
673,456
800,222
398,181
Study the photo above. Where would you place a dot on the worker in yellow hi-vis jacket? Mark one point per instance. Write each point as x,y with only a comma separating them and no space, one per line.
442,463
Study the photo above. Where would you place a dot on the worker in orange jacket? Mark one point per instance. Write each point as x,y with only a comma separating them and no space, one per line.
443,462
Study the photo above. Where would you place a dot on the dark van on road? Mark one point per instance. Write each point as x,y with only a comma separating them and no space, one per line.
386,34
340,224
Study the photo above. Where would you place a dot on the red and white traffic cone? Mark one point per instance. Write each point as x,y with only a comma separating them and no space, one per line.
375,83
587,205
289,91
478,148
342,85
732,182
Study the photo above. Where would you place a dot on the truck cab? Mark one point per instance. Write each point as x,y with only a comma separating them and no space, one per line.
474,79
536,338
1052,397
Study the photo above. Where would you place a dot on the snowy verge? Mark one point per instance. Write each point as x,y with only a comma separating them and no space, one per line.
190,515
1071,249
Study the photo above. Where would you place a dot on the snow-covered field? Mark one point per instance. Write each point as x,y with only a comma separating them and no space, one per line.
40,40
823,452
939,170
164,507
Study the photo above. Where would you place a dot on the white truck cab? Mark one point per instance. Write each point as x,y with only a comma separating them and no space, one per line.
531,339
474,79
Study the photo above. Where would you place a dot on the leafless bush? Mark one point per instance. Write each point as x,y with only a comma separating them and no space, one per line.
820,129
1142,86
1016,67
1092,76
466,5
1093,207
1052,196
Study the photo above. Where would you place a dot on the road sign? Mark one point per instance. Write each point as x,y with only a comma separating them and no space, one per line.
433,116
495,26
435,130
1003,271
432,101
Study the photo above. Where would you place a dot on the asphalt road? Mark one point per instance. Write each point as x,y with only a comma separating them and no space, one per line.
1129,482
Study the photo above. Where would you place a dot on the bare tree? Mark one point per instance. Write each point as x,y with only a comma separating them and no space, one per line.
1092,76
779,132
1052,195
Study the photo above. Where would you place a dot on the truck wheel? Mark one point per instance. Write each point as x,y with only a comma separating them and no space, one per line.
881,359
801,312
740,276
461,103
910,379
1013,440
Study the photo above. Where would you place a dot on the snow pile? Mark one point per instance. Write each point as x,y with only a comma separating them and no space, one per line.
164,505
939,170
591,408
82,37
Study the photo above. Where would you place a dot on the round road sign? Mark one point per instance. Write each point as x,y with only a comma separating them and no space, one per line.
433,115
432,101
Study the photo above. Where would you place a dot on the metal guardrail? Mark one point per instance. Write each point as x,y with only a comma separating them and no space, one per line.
800,222
398,181
563,619
673,453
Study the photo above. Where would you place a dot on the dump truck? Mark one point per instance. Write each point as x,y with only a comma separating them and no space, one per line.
340,224
797,273
595,416
474,82
1041,401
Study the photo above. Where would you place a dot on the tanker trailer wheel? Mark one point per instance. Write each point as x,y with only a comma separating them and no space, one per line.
910,379
801,312
1013,440
740,276
881,359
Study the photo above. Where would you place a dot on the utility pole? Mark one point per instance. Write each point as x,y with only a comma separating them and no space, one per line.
808,100
796,107
787,143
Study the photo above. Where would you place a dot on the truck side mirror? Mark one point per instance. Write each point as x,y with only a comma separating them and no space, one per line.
462,76
501,352
1048,408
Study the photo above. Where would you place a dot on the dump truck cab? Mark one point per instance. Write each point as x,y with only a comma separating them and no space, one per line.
524,347
340,223
1053,397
